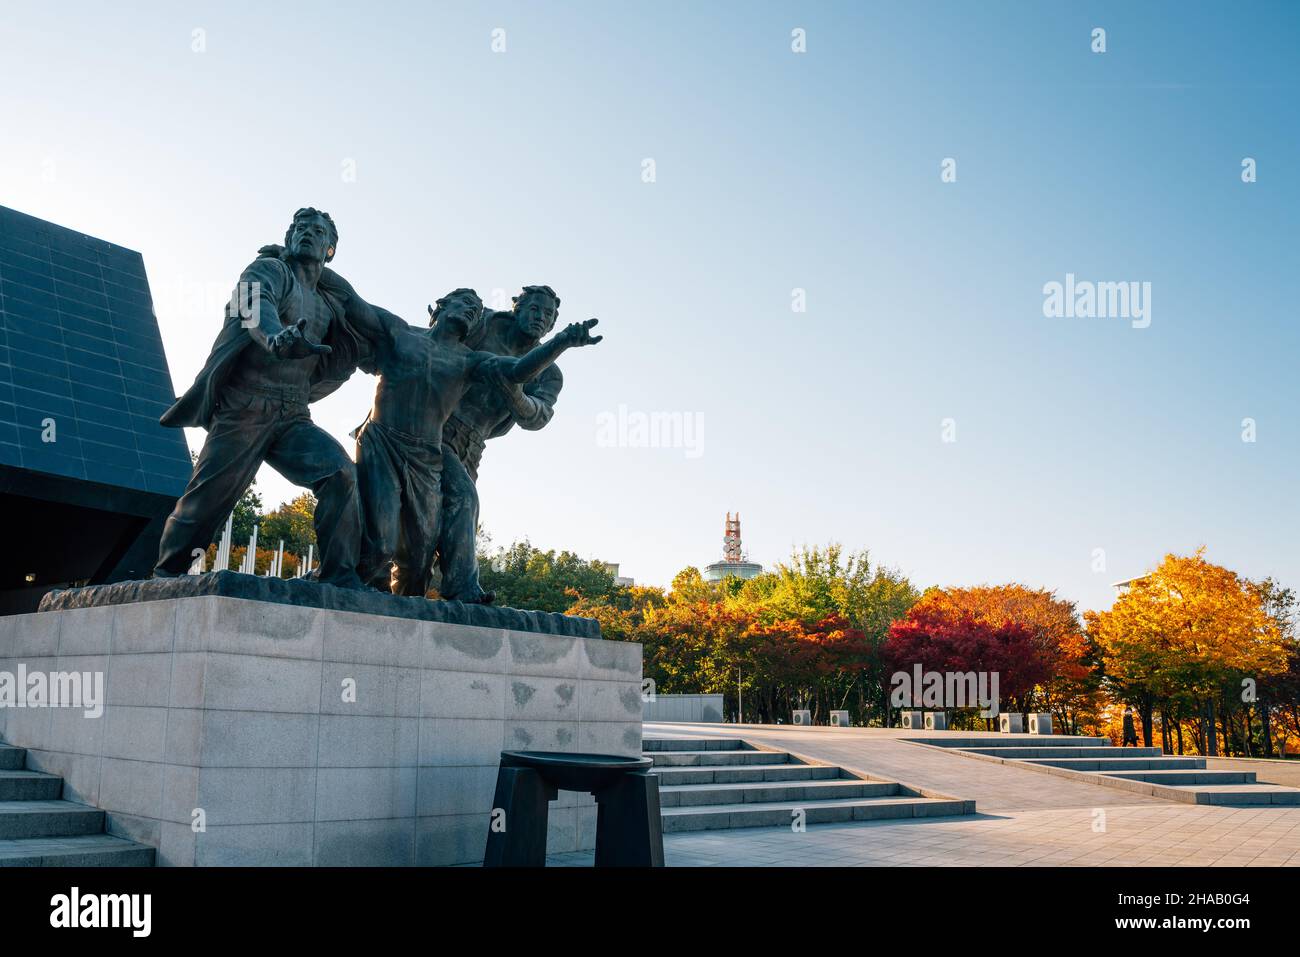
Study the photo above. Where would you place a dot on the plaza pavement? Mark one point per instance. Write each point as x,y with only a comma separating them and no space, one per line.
1024,818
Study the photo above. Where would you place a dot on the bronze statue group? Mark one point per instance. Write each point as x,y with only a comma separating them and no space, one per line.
294,332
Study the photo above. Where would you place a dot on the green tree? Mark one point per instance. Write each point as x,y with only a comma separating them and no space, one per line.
292,522
248,512
820,584
689,586
522,576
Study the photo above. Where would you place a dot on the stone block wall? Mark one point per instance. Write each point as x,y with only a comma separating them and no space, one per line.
309,736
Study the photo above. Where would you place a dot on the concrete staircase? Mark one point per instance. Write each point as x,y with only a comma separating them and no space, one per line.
714,784
39,829
1148,770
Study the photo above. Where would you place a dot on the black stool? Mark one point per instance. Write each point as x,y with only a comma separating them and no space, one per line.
629,832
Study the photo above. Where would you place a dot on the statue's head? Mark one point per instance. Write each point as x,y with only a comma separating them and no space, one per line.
312,235
460,312
536,309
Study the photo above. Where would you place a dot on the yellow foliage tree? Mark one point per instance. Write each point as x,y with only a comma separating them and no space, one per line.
1188,628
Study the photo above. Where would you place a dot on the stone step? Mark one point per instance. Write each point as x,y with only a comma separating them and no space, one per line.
1181,778
30,786
737,774
781,814
12,759
692,744
704,789
1122,764
764,792
686,759
955,740
19,819
89,850
1020,753
1243,794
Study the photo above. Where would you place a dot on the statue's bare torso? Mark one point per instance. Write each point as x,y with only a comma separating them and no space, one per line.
423,381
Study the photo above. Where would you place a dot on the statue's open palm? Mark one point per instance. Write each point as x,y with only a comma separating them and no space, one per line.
292,343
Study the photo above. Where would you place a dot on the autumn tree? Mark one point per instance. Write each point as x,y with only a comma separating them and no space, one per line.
262,562
814,665
808,632
1283,698
1188,628
694,647
622,614
820,585
1070,686
943,637
1279,694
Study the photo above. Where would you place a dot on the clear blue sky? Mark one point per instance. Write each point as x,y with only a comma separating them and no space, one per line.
775,171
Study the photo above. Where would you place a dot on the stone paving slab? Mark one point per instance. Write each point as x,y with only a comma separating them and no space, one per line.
1153,835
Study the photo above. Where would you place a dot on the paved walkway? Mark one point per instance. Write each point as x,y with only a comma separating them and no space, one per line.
1166,835
1025,818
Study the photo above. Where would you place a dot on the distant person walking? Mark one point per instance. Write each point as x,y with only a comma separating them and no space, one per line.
1130,732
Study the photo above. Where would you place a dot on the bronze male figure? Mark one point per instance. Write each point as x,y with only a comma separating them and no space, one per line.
489,410
423,376
285,343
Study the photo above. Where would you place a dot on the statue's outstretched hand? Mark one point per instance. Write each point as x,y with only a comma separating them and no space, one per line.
579,333
291,343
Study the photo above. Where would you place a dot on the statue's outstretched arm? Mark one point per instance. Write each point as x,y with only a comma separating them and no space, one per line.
527,366
373,322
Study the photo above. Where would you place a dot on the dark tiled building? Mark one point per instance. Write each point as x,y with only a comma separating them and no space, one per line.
86,472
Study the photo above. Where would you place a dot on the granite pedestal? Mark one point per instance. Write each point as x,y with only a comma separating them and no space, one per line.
307,735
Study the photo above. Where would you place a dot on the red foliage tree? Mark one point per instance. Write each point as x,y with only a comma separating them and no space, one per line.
813,663
943,639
